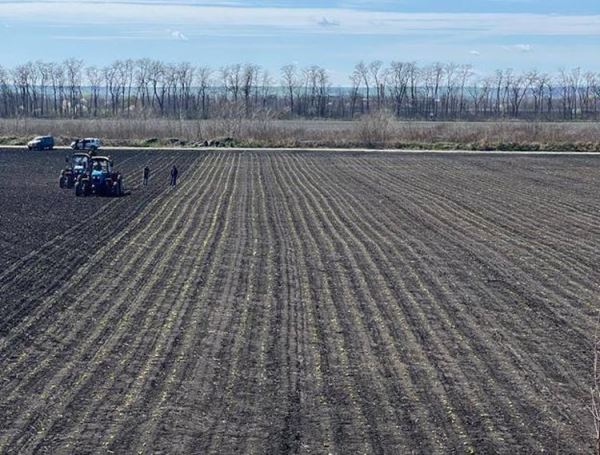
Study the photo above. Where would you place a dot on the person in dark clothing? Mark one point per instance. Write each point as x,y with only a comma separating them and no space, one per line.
146,175
174,173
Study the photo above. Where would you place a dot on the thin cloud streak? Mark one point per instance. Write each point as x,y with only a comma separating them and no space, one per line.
98,38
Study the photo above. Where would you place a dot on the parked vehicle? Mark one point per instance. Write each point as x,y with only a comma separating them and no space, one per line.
41,143
89,143
79,164
101,180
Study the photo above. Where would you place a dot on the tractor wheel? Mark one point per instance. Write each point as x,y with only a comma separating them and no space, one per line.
61,182
117,190
79,190
70,182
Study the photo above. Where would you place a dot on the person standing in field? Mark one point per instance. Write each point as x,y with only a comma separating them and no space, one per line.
174,173
146,175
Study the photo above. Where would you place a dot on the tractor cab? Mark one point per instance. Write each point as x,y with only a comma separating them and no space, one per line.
101,165
80,162
101,169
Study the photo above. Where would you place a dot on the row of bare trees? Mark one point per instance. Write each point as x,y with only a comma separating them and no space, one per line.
150,88
450,91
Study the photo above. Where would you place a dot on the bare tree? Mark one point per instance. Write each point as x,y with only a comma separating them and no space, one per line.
156,73
449,98
184,73
128,77
377,75
109,74
234,80
203,78
413,75
587,94
575,81
356,80
569,81
142,89
538,90
5,93
34,84
22,83
94,76
498,82
289,78
44,69
266,87
73,69
361,71
310,90
323,91
121,76
399,76
518,89
432,79
465,74
249,81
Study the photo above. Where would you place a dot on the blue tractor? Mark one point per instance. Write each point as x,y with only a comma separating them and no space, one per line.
100,180
78,165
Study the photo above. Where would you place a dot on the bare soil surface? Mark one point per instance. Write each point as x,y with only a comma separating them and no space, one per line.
300,302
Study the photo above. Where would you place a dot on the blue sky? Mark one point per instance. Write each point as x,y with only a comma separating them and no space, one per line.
489,34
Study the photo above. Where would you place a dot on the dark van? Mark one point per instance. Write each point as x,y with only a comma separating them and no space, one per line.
41,143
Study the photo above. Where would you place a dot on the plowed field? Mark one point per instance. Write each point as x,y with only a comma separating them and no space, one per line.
300,302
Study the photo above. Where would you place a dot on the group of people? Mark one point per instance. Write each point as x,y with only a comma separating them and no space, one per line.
174,173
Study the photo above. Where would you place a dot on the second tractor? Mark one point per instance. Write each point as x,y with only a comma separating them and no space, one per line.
79,164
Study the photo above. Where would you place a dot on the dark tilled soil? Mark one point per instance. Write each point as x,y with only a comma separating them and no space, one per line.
301,302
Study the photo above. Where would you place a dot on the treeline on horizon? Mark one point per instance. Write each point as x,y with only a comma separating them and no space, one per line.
147,88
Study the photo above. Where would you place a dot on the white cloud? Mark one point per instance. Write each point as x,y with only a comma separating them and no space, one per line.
238,20
475,53
324,22
523,47
107,37
176,34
